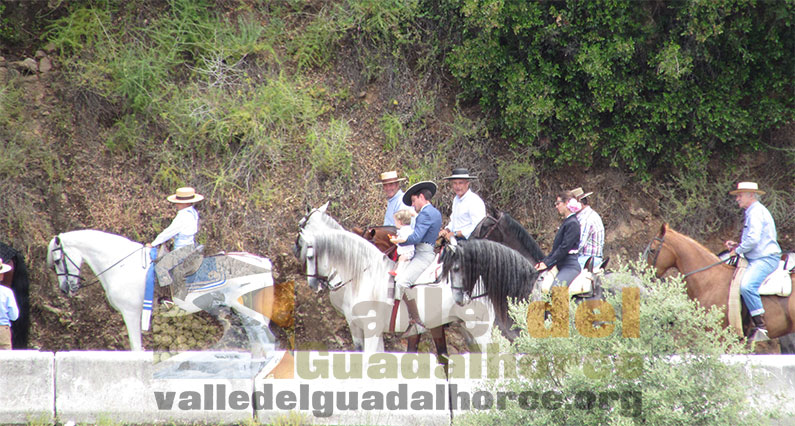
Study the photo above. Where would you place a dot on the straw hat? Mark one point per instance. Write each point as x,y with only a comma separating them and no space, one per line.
578,194
389,177
460,173
3,267
185,195
417,187
747,187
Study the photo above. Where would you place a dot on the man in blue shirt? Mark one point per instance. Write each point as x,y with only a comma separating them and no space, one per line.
758,244
8,309
426,228
394,196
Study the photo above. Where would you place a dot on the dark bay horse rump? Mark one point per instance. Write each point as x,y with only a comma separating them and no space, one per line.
17,279
502,228
379,236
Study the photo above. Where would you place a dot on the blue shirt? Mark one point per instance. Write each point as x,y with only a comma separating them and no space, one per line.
392,206
8,306
759,233
426,226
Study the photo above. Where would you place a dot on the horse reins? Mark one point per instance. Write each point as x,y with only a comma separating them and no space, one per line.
65,256
659,249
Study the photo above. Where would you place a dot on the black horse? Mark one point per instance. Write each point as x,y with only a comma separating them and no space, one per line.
18,280
502,228
484,268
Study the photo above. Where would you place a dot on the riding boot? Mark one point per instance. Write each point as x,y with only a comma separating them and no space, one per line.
415,324
759,330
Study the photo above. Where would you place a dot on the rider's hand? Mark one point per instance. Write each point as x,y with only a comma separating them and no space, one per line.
148,245
540,266
730,244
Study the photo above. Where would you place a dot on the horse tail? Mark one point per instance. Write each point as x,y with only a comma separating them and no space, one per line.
20,285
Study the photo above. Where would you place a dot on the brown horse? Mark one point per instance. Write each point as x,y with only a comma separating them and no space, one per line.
379,236
708,279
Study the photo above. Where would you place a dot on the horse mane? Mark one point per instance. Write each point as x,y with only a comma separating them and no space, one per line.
354,257
698,245
523,236
505,274
20,285
330,222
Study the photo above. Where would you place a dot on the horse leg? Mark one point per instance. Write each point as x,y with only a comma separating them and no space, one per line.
132,320
441,346
787,343
413,343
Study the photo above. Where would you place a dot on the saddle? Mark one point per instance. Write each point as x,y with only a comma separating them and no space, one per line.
431,275
581,285
779,283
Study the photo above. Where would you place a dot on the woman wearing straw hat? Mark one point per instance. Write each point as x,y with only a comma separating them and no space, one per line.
758,245
182,229
8,309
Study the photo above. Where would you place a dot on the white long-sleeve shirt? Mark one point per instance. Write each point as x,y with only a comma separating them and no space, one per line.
184,226
468,211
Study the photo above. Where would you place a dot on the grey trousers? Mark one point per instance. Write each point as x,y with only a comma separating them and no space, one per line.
423,257
170,261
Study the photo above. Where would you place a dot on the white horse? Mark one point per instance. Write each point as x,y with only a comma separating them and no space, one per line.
121,266
356,273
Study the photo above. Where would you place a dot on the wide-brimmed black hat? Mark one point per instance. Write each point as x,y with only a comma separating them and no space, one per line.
417,187
460,173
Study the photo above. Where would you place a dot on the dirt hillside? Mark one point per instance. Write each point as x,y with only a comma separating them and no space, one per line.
113,191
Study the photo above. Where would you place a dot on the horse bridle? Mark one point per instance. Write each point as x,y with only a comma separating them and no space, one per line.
453,248
656,253
62,260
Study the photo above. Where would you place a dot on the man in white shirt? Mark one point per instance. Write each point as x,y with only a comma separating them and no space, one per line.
182,230
468,208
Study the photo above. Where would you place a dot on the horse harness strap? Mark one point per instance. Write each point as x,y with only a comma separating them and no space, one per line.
65,256
496,222
706,267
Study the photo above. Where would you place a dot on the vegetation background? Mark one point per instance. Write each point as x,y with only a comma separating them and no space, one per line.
270,108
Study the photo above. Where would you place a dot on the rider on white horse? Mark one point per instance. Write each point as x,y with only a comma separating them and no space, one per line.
182,230
426,228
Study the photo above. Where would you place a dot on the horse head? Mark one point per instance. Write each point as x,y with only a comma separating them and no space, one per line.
305,252
657,253
66,264
451,268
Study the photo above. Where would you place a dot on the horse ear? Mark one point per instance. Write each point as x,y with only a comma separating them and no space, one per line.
370,234
323,208
589,264
663,228
604,263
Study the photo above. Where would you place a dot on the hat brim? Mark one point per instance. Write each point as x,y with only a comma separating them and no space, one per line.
384,182
173,199
737,191
467,177
417,187
585,195
5,268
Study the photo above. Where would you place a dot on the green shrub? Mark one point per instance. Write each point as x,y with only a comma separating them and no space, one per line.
635,84
330,156
671,374
393,130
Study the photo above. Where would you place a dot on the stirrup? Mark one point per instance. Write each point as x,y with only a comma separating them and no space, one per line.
759,335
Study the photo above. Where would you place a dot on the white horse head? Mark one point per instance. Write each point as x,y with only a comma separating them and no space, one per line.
356,274
67,263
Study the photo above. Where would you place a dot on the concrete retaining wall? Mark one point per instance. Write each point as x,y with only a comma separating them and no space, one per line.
230,387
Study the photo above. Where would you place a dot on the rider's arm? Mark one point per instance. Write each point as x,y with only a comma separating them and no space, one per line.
421,226
173,229
752,232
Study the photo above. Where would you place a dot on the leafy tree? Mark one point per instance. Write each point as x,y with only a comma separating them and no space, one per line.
634,83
